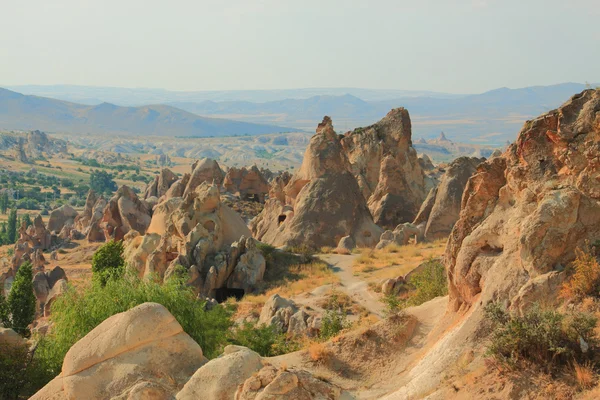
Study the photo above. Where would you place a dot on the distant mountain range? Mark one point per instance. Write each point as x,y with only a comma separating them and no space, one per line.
93,95
490,118
25,112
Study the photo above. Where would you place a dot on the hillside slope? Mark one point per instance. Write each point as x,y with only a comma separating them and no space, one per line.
18,111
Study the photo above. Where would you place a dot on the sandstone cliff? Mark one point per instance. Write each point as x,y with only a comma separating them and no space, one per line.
387,168
322,201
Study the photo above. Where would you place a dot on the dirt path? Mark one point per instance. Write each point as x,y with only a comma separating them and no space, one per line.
353,286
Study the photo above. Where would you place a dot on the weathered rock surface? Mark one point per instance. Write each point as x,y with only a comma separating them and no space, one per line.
273,384
287,317
61,217
88,222
524,213
144,344
246,183
161,184
441,208
123,213
387,169
202,235
323,202
220,377
401,235
205,170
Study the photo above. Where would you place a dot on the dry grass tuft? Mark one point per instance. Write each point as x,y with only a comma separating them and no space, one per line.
585,279
318,353
584,375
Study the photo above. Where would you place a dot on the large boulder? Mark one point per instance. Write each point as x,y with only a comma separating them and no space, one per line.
144,344
525,212
219,378
387,168
271,383
323,202
61,217
441,208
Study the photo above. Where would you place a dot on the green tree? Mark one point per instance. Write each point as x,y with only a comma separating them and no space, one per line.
108,262
4,318
102,182
12,226
25,218
4,202
21,300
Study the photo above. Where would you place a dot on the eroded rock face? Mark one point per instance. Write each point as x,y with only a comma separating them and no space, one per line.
61,217
441,208
246,183
525,212
387,169
161,184
220,378
202,235
31,243
123,213
323,201
88,222
144,344
273,384
205,170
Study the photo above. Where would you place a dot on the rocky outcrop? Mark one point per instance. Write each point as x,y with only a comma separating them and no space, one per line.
47,286
123,213
91,215
441,208
161,184
248,184
33,240
219,378
525,212
277,186
39,144
387,169
323,201
271,383
144,353
202,235
286,317
401,235
141,351
63,216
205,170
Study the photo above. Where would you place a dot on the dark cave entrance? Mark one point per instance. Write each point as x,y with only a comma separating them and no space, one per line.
222,294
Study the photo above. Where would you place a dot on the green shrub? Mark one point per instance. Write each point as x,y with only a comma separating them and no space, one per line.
393,304
77,312
108,262
263,339
332,323
429,283
20,303
21,374
547,338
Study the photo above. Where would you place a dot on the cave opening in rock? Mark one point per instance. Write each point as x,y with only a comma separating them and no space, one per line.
222,294
252,197
280,219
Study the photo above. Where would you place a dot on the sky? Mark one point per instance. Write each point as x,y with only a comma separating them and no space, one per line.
460,46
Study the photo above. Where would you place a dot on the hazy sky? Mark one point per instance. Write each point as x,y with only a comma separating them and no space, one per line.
464,46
